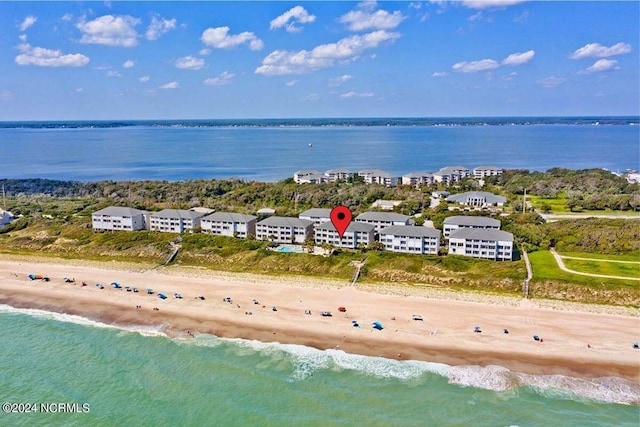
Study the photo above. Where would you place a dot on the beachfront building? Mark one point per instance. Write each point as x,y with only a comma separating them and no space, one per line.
416,179
119,218
482,172
384,219
412,240
175,220
357,234
317,215
282,229
479,199
450,174
229,224
457,222
309,176
5,217
334,175
495,245
377,176
265,212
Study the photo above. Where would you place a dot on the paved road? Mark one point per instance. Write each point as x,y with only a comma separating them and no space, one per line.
564,268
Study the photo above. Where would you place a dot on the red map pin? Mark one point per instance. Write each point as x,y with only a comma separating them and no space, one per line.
341,218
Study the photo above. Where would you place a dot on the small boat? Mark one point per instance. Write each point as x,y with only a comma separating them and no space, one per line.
310,145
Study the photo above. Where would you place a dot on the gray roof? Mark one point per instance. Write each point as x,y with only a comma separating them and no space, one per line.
228,217
303,172
481,234
410,231
353,227
487,168
479,221
375,172
337,171
285,221
490,197
177,213
417,174
119,211
383,216
451,169
317,212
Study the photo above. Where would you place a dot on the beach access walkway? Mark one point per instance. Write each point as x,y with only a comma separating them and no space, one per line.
562,267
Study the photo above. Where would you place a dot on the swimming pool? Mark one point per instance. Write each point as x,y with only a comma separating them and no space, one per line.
290,249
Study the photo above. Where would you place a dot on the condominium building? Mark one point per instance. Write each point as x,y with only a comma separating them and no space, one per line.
119,218
416,179
450,174
477,199
495,245
309,176
384,219
282,229
229,224
456,222
377,176
175,220
356,234
317,215
334,175
409,239
482,172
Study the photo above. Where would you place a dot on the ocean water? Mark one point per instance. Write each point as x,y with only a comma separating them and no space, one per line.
271,150
141,377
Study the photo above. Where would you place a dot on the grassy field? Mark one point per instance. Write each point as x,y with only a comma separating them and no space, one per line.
604,257
557,204
603,267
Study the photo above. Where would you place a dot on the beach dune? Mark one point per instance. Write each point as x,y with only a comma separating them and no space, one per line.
573,342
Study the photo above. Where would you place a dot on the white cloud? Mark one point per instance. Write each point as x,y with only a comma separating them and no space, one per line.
352,94
281,62
110,30
171,85
365,18
601,65
595,50
158,27
475,66
337,81
486,4
221,39
28,22
79,90
291,83
297,15
144,79
113,73
67,17
189,63
6,95
551,82
204,52
439,74
519,58
42,57
223,79
128,64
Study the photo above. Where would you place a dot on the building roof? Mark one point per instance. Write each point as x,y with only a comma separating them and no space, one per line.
266,211
304,172
383,216
202,210
451,169
478,221
486,168
375,172
489,197
417,175
352,228
228,217
410,231
2,212
177,213
316,213
285,221
336,171
119,211
481,234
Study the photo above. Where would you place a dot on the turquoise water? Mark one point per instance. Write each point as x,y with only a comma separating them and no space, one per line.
290,249
145,378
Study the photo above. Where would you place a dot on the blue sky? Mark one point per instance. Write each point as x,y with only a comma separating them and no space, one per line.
181,60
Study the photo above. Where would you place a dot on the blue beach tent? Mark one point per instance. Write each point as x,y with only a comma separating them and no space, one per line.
377,325
162,296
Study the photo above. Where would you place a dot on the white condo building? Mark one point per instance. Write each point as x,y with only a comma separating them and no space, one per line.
317,215
456,222
229,224
495,245
477,199
482,172
377,176
175,220
309,176
450,174
334,175
119,218
384,219
355,235
416,179
282,229
408,239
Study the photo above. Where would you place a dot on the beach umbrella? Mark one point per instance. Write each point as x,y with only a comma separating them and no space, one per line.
377,325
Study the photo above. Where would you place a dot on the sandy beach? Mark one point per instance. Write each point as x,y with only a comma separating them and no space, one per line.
574,342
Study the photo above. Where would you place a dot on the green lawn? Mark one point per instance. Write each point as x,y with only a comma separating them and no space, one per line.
558,204
603,267
635,258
